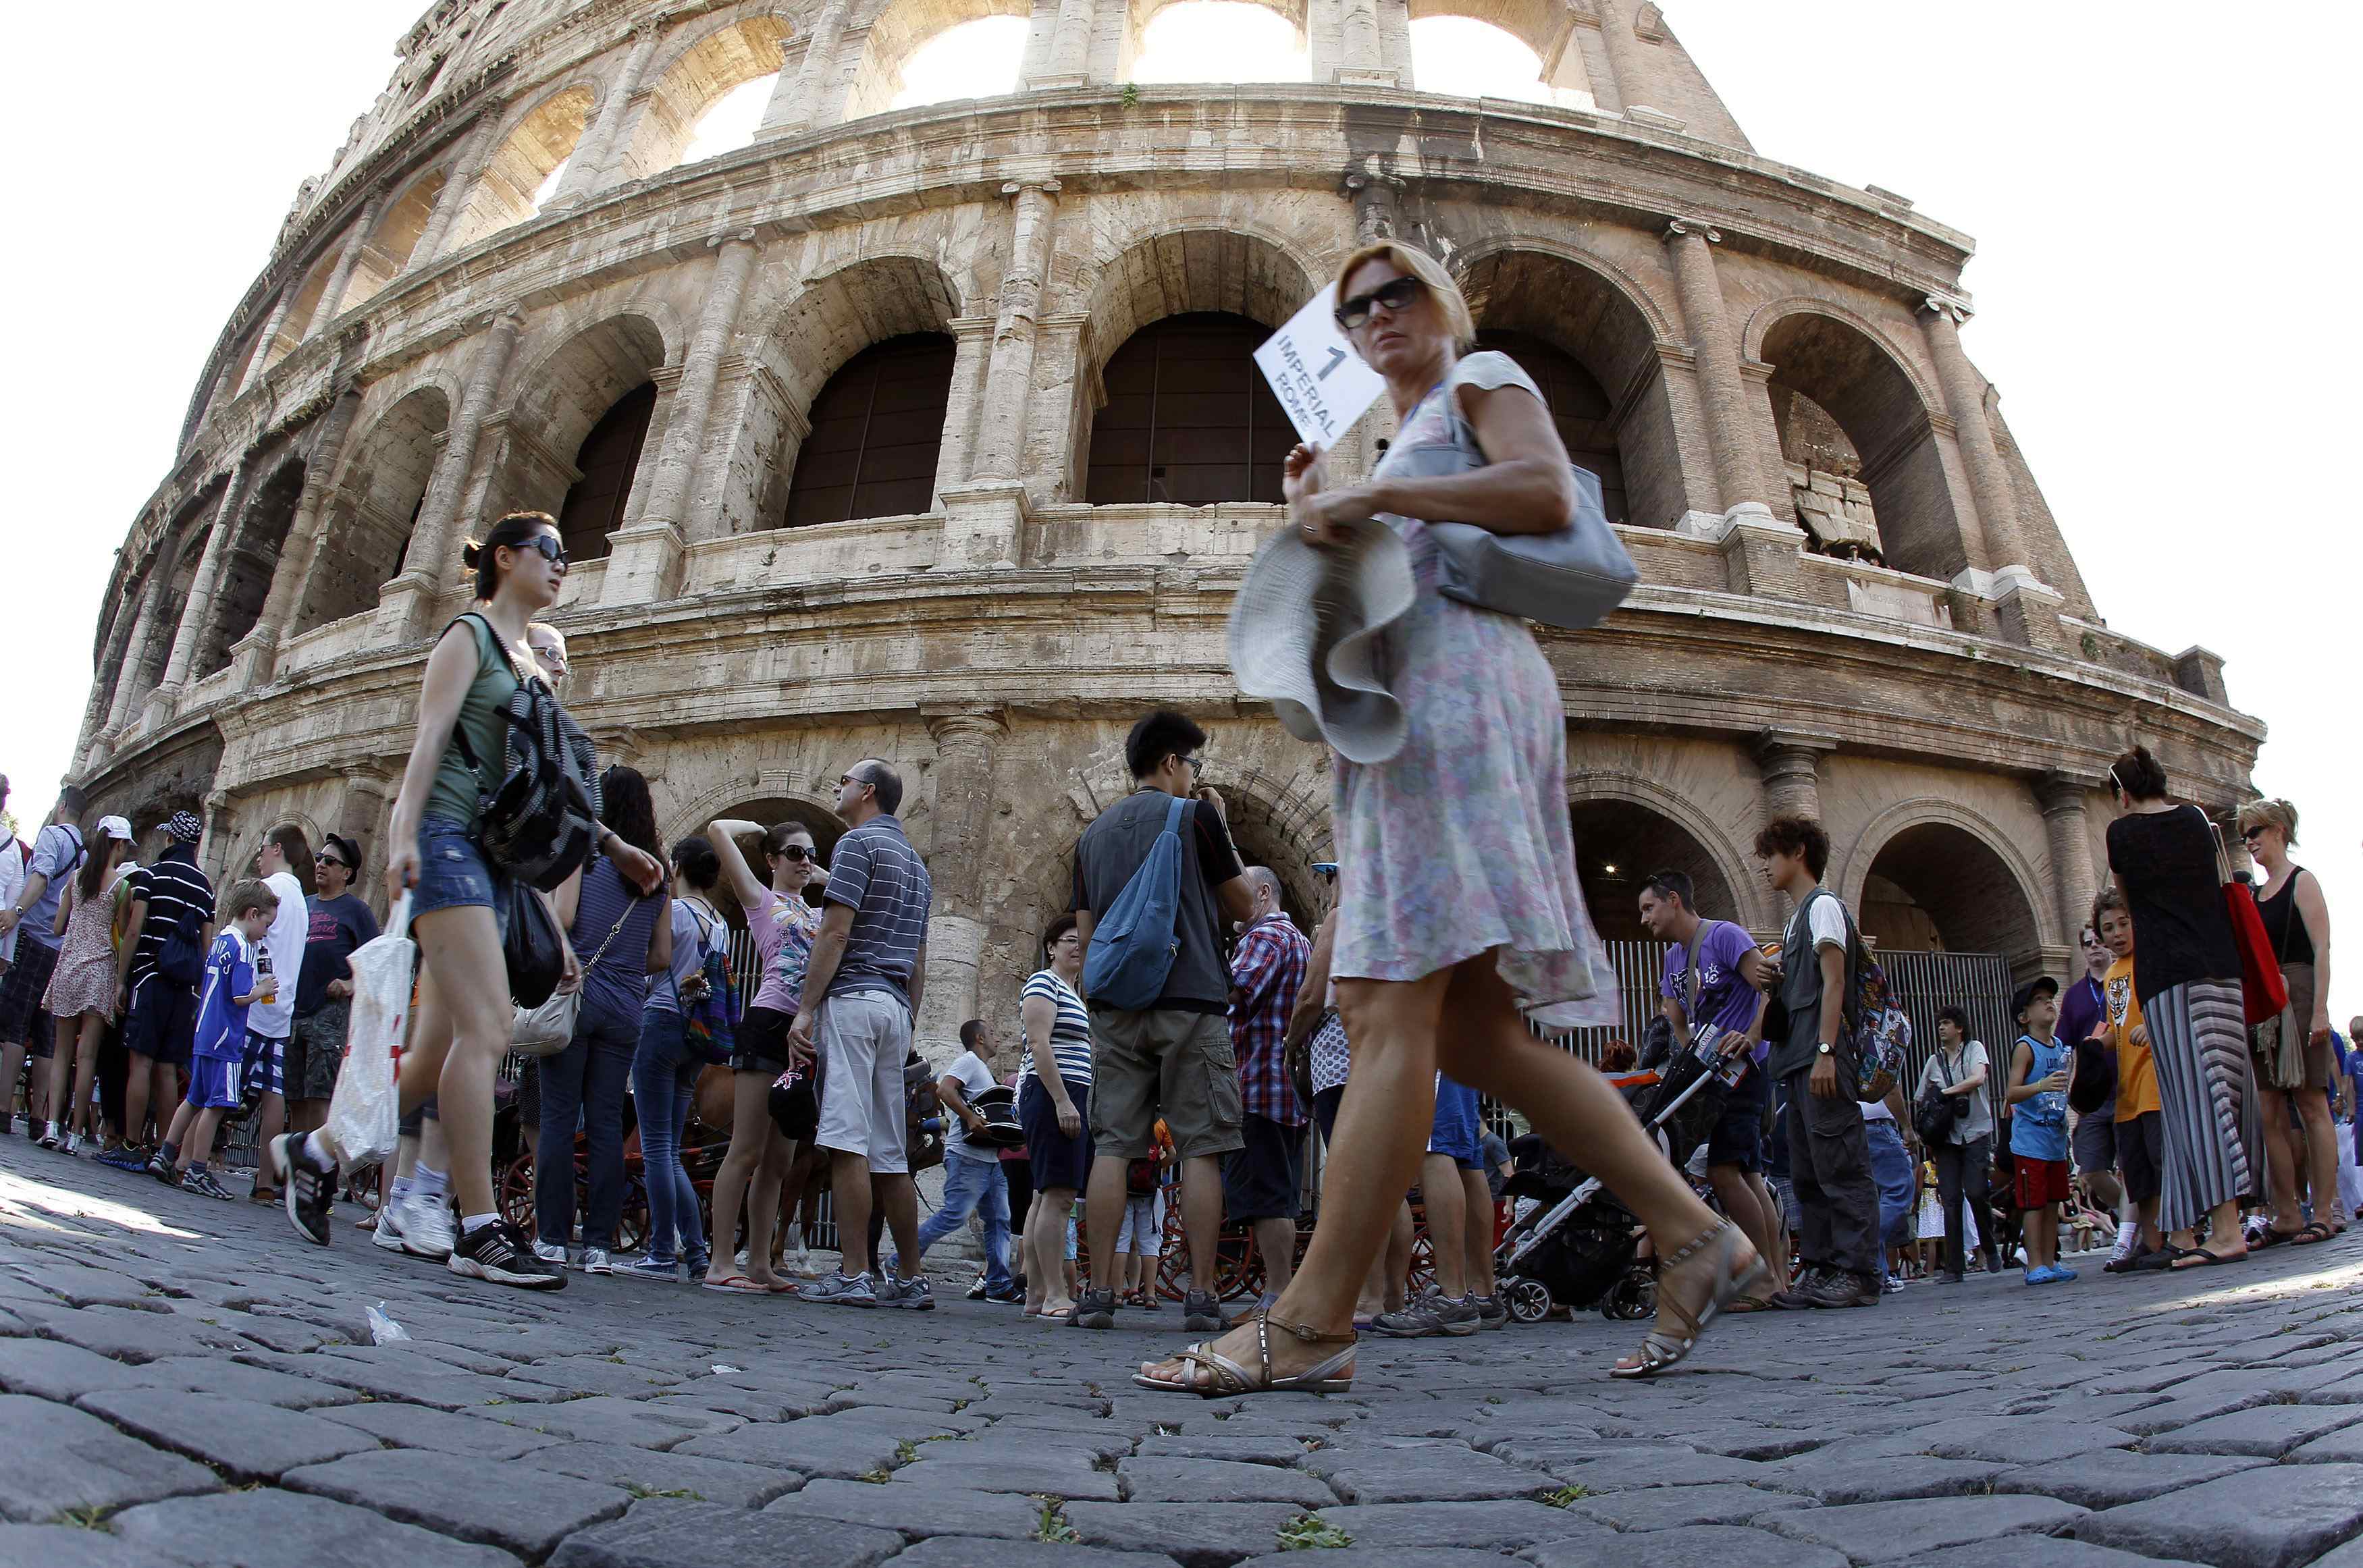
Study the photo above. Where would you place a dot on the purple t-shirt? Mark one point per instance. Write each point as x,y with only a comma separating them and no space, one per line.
1725,998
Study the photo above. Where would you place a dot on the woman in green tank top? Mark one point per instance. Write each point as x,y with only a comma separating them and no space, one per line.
464,1012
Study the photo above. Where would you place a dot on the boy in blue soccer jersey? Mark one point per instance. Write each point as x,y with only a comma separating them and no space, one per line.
216,1060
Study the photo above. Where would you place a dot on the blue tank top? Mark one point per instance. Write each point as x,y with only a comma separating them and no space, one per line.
2038,1125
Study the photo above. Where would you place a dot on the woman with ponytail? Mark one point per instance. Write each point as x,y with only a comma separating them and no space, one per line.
464,1012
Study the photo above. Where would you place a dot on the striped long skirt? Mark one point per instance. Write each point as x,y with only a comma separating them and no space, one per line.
2214,1134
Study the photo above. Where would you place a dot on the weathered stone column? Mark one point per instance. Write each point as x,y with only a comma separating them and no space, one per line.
459,183
220,837
341,277
1791,767
2067,833
1624,61
983,517
271,325
800,108
410,599
586,171
364,816
783,101
1737,473
1070,46
971,359
200,605
957,851
1361,60
1991,542
121,712
257,652
644,562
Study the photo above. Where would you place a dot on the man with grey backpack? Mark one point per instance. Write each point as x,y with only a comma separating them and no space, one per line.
1156,876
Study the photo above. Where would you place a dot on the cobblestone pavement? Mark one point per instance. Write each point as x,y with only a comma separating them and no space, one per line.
182,1381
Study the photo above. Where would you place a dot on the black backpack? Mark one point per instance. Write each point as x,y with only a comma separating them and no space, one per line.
540,823
182,960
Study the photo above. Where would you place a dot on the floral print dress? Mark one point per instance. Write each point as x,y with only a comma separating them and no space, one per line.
1461,843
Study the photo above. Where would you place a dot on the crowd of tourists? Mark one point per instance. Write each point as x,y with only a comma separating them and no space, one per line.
1183,1036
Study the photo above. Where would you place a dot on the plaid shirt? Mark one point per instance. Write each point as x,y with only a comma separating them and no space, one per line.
1267,971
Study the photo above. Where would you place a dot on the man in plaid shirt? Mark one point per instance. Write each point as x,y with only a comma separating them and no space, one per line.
1260,1181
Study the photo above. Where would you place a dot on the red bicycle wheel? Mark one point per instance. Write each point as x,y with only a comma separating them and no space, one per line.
515,1195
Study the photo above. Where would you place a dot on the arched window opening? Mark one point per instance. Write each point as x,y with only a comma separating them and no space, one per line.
711,100
608,457
1578,407
376,510
819,820
519,179
1937,888
877,432
1620,844
1840,400
389,248
930,51
1824,478
244,584
292,326
1220,41
1470,58
1189,418
979,59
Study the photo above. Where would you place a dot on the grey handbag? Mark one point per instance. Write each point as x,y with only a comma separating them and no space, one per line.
1573,578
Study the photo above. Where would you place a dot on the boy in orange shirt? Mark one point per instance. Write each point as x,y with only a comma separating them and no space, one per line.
2141,1135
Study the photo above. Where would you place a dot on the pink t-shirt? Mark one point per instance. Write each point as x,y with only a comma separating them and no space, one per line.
783,927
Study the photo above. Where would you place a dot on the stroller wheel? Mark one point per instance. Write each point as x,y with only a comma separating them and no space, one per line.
1632,1298
1529,1300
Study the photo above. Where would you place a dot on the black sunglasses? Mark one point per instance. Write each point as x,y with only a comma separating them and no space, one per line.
1394,294
798,852
546,545
328,860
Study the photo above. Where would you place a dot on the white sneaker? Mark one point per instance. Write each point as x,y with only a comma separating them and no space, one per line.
80,1145
387,1232
424,1226
596,1261
2128,1234
550,1251
739,1258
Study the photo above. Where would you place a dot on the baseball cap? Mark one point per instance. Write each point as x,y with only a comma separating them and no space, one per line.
2039,985
115,827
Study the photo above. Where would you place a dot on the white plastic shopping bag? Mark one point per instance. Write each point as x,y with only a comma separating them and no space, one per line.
365,1114
2350,1180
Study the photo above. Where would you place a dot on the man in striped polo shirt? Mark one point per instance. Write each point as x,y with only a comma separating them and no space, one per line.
167,895
860,994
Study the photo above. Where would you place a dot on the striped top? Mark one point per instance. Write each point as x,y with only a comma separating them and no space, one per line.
880,877
1071,1030
174,890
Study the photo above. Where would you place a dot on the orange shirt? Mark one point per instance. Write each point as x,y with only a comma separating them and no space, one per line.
2136,1076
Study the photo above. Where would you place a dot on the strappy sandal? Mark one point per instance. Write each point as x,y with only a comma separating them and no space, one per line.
2313,1235
1227,1377
1659,1351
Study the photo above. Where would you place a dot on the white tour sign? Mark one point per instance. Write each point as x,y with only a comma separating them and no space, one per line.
1316,375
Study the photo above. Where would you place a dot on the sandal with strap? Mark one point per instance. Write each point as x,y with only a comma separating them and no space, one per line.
1659,1352
1227,1377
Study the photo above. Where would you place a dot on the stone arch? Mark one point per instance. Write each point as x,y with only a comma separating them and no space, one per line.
1929,873
1637,825
1140,14
1282,823
899,32
1848,370
250,841
375,507
1598,316
389,246
771,800
540,139
305,304
705,65
1181,269
1546,27
820,327
243,584
563,401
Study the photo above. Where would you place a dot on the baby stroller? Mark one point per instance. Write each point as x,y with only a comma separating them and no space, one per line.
1576,1248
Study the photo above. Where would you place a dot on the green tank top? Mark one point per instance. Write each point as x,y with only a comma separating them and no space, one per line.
482,719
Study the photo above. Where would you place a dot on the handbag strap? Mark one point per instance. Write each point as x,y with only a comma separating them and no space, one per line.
592,962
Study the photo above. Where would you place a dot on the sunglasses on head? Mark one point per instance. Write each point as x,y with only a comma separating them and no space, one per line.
1394,294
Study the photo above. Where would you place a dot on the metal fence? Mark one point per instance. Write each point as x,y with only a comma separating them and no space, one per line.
1977,983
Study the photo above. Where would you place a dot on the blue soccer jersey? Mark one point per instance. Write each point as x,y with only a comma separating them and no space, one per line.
221,1022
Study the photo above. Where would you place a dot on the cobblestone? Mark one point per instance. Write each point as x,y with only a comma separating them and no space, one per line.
621,1423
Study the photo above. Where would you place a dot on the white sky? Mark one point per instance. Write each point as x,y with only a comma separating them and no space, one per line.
2155,191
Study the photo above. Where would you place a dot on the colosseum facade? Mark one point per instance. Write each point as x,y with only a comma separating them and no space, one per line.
930,433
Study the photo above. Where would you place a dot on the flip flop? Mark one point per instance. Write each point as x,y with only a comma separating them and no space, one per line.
1056,1314
781,1288
2313,1235
2272,1238
2205,1259
735,1284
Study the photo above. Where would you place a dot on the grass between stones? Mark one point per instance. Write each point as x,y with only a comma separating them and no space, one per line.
1310,1532
1052,1527
1563,1496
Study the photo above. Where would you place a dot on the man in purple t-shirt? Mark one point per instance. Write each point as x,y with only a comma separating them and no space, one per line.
1712,983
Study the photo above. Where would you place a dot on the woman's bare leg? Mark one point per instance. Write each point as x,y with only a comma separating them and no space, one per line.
763,1200
461,948
751,1128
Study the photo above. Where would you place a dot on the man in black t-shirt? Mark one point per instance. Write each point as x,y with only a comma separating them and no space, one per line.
168,895
1174,1057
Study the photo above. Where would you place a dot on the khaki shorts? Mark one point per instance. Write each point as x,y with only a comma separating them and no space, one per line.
1174,1065
862,1041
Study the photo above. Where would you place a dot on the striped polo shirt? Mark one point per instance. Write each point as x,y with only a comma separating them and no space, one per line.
876,873
174,890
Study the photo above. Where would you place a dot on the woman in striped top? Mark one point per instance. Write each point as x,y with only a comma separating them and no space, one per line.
1054,1109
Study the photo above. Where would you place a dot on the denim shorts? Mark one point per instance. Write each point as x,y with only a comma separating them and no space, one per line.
452,873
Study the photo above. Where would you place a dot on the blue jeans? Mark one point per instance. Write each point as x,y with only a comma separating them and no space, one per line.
665,1082
583,1085
972,1186
1891,1168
